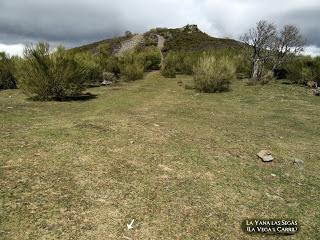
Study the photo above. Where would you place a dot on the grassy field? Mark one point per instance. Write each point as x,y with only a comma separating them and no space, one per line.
182,164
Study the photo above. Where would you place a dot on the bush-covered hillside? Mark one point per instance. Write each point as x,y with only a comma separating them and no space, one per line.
191,38
111,44
188,38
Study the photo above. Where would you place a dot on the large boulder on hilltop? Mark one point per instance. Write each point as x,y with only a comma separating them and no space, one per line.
190,28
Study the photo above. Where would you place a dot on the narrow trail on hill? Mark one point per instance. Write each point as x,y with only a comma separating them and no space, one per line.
130,44
161,42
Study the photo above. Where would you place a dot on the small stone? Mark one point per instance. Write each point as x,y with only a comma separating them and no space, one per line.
10,107
131,142
156,125
265,155
316,92
273,175
106,83
274,197
299,163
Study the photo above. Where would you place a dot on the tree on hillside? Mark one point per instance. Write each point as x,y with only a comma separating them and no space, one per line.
288,42
266,45
259,41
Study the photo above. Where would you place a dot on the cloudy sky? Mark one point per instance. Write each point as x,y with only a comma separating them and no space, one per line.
75,22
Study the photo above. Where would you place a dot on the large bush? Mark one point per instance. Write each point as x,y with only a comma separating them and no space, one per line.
303,70
179,62
132,71
130,67
7,79
150,58
316,70
91,65
243,66
213,74
186,61
49,76
168,68
107,61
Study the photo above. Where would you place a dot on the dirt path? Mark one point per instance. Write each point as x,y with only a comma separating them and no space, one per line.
161,42
130,44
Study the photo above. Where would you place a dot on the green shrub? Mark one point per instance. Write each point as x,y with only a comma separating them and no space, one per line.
7,79
50,76
150,58
130,67
109,77
132,71
91,65
214,75
185,61
266,77
316,70
180,62
243,67
168,68
112,64
168,72
301,70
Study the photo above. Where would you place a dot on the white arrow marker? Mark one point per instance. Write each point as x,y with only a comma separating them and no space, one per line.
130,225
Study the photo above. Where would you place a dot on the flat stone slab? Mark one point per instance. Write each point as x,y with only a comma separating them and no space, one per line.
265,155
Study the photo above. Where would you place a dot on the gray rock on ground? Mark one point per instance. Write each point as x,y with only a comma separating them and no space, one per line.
299,163
265,155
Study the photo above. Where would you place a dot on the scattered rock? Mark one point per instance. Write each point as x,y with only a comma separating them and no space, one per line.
299,164
274,197
108,78
106,83
316,92
265,155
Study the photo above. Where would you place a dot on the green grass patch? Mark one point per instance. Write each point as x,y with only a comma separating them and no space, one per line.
181,163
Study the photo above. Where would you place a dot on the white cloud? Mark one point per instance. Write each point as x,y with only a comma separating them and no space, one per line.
14,49
312,51
77,21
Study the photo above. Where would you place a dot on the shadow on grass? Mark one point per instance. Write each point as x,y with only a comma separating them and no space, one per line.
81,97
285,82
